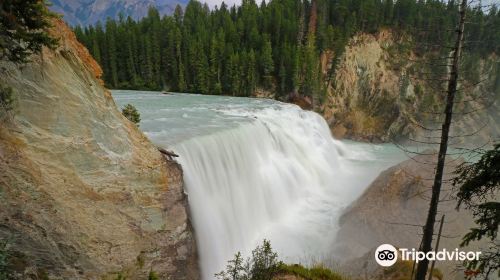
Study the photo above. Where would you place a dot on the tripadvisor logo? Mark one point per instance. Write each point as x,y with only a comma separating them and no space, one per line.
387,255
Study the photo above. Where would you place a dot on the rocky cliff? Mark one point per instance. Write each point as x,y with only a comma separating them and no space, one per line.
378,91
83,193
401,196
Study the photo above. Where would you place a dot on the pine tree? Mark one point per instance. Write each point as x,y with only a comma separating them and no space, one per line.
251,79
112,53
477,185
196,50
182,82
24,29
201,76
267,63
388,11
215,67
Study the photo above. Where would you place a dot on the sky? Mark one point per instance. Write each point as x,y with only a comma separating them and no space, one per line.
213,3
485,2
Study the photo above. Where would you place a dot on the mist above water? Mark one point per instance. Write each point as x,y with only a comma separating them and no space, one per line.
256,169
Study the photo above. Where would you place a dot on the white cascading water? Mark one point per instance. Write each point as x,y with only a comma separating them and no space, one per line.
274,173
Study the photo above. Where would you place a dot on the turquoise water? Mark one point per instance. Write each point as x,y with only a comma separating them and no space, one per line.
258,168
175,117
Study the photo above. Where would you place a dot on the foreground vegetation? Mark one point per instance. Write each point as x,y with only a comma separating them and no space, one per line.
315,273
131,113
478,187
265,265
23,31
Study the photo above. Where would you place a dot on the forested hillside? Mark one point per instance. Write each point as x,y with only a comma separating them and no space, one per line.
268,47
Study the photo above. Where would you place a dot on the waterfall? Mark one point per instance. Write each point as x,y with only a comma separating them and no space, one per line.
256,169
279,176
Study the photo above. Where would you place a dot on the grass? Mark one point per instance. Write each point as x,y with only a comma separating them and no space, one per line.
315,273
401,270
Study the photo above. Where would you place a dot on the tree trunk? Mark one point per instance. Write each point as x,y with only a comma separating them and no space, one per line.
438,179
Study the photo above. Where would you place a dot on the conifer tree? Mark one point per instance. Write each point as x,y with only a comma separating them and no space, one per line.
196,50
267,63
23,29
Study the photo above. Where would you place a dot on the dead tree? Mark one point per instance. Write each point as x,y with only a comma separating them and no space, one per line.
438,179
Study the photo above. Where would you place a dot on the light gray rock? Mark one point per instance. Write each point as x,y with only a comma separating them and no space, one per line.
83,193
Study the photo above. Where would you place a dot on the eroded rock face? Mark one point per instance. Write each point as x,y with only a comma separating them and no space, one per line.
83,193
363,98
378,93
400,196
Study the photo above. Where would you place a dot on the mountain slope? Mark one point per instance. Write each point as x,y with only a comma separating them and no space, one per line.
87,12
83,193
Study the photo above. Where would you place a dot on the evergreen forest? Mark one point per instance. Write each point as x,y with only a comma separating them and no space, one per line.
273,46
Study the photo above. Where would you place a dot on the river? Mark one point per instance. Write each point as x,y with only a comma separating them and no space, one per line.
258,168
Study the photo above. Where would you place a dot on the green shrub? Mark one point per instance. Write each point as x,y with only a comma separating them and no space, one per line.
6,99
3,260
402,270
235,269
263,265
42,274
314,273
131,113
120,277
153,276
264,262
